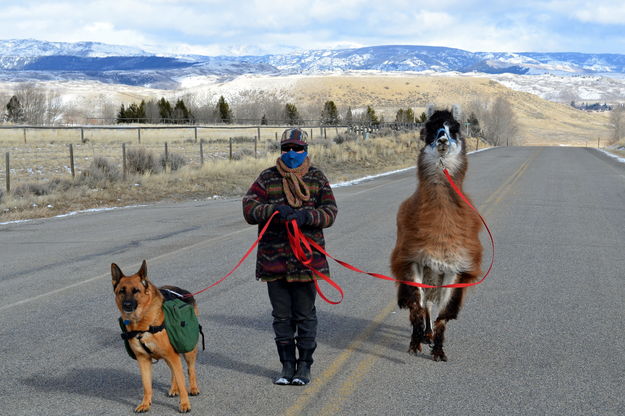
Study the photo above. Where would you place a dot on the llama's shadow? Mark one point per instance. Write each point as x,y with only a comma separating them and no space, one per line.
332,328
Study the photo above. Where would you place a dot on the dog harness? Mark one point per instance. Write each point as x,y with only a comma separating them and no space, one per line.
128,335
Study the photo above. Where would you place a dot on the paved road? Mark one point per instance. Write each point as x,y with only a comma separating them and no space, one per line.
544,335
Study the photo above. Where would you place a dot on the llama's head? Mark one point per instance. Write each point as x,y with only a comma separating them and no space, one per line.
444,145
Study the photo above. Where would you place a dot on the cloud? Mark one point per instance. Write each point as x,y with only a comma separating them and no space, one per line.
264,26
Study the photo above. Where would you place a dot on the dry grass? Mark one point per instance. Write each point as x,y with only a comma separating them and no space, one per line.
349,160
541,122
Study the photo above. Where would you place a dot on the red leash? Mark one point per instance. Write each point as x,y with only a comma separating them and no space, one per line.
297,239
301,247
249,251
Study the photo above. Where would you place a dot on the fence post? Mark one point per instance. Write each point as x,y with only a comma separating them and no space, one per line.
139,135
24,135
201,154
71,159
276,136
166,155
311,134
8,173
598,142
255,147
195,128
477,144
82,135
124,161
325,133
230,148
258,132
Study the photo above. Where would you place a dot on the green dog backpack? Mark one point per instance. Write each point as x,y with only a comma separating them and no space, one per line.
183,328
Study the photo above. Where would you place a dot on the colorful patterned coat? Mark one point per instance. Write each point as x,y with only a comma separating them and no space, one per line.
275,259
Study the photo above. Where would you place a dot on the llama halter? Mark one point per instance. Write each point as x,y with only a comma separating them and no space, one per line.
443,131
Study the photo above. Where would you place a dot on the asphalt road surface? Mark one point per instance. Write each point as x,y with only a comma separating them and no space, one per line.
544,335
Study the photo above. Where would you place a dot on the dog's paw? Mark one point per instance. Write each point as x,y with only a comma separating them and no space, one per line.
184,407
172,393
143,407
194,391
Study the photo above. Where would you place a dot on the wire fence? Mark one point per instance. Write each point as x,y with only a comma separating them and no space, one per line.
38,153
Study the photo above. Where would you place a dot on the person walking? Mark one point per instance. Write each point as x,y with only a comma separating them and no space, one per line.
300,192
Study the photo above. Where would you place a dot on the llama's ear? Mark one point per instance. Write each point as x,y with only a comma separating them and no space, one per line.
116,273
456,111
422,134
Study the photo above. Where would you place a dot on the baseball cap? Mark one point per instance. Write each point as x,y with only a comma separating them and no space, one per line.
295,136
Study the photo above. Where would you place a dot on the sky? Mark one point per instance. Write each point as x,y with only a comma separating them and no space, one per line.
231,27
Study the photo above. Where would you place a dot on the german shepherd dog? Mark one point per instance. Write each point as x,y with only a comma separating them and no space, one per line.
141,305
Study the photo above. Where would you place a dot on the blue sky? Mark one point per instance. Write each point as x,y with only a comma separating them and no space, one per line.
214,27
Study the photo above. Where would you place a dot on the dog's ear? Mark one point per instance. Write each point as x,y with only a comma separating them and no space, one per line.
143,273
117,274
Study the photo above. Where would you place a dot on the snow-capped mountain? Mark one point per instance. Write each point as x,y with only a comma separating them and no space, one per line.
24,60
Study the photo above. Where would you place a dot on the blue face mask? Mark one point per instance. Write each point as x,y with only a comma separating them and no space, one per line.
293,159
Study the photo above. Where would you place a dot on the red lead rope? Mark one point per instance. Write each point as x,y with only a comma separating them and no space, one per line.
297,239
302,249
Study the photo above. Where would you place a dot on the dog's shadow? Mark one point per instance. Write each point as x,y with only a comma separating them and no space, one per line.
119,386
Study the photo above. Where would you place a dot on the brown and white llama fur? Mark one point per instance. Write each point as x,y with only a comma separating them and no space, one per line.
437,237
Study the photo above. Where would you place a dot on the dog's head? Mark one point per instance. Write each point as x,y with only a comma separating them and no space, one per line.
132,293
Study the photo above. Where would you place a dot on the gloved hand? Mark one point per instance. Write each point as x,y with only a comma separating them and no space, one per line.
285,211
301,216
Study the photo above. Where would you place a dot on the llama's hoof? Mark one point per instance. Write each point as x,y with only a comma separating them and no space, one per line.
439,355
414,348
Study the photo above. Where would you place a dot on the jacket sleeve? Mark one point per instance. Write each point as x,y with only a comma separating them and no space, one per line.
324,214
255,208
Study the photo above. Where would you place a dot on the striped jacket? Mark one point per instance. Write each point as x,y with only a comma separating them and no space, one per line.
275,259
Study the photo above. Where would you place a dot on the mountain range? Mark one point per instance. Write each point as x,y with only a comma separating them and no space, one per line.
33,60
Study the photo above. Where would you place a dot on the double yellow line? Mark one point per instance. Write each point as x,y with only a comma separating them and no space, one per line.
346,389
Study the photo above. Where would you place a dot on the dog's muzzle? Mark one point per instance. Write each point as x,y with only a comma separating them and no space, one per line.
129,305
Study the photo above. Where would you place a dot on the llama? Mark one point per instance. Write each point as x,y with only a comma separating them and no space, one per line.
437,237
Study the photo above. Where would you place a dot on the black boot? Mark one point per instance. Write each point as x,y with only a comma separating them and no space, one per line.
302,374
286,352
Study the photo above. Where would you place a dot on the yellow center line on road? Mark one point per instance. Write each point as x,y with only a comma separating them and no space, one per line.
324,378
353,380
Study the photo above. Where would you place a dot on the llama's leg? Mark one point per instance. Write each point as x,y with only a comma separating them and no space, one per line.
417,319
449,310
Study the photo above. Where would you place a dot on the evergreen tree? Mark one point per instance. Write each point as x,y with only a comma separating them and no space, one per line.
349,118
409,115
121,115
165,111
422,118
291,114
399,116
329,114
370,117
263,121
181,113
223,111
15,111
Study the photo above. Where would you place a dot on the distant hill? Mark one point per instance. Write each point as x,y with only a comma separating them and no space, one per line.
28,59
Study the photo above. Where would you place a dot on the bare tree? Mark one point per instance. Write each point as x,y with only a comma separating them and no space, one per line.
251,105
40,106
498,124
617,121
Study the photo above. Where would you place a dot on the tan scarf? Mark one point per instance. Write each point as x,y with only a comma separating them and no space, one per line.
295,188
